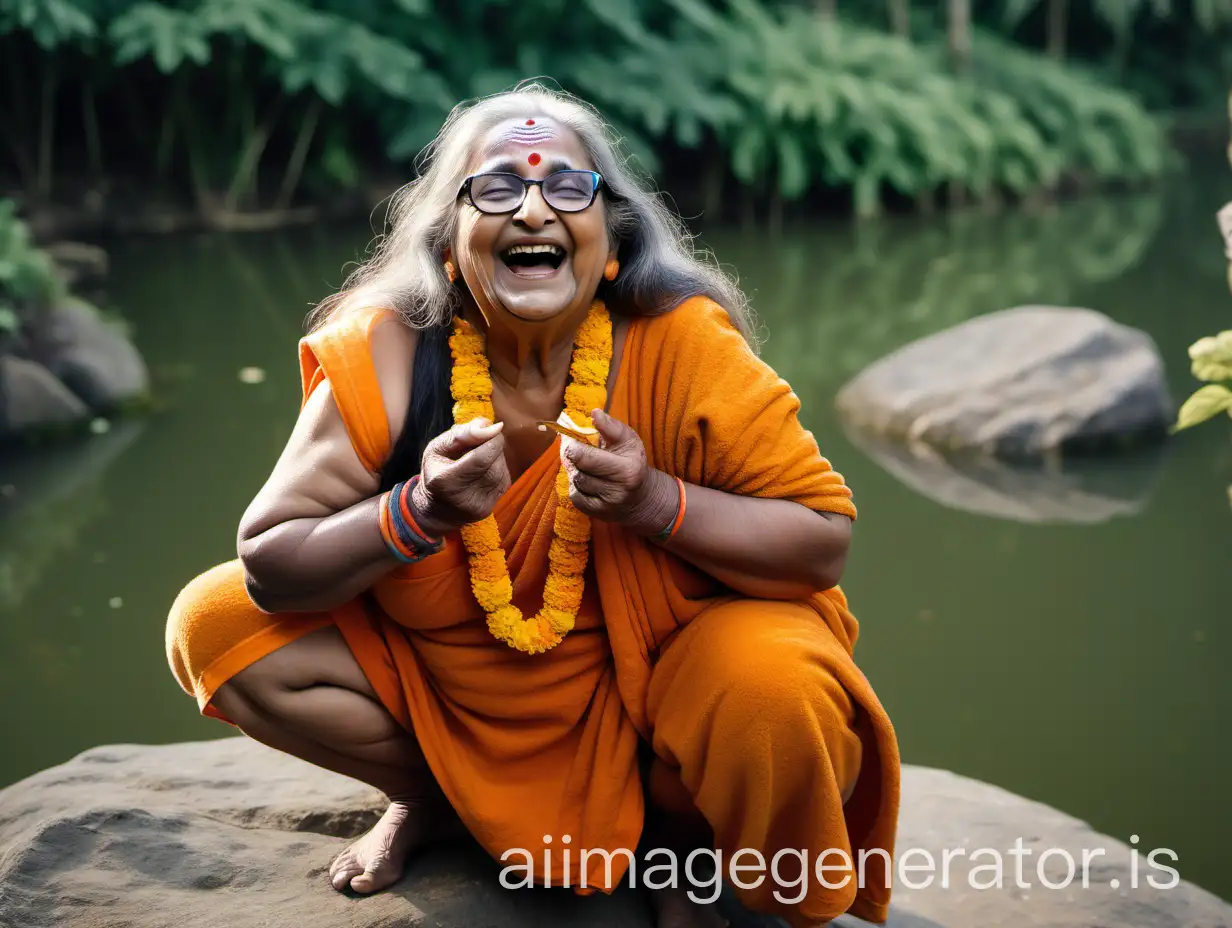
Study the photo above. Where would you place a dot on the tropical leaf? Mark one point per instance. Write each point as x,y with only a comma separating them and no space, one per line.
52,22
1212,357
1206,403
168,35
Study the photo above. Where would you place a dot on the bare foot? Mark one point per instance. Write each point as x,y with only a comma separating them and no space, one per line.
377,859
674,909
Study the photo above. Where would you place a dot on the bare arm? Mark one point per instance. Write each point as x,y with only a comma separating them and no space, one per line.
767,548
310,540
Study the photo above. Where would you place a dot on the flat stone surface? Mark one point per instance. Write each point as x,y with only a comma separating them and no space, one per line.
1019,383
230,833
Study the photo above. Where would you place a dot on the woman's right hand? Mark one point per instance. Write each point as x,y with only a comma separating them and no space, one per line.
462,476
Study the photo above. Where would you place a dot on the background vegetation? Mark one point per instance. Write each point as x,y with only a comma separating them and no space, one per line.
234,107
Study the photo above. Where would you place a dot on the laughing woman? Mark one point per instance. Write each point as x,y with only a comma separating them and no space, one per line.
624,629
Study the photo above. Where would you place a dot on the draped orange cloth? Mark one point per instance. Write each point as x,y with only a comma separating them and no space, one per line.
756,707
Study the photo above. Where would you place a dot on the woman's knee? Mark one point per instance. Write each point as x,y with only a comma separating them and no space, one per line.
757,669
199,618
751,651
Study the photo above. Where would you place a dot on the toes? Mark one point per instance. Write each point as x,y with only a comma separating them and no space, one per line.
343,876
371,881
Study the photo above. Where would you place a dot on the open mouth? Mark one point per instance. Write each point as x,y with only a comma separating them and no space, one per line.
533,260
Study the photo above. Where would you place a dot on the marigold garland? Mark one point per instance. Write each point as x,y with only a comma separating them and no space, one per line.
471,386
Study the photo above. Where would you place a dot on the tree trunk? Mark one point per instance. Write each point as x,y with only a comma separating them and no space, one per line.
1058,25
89,118
958,33
712,188
244,178
166,133
900,18
295,164
47,127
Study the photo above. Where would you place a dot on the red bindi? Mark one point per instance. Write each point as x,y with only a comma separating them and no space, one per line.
534,158
530,122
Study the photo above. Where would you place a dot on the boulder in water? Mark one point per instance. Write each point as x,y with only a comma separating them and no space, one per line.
31,397
92,357
1020,383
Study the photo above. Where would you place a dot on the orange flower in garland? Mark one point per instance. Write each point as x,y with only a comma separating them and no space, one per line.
471,387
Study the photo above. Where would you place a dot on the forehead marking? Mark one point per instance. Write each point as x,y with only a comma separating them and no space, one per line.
534,158
532,135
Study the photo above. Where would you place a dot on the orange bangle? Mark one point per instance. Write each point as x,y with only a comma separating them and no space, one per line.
404,506
680,514
670,530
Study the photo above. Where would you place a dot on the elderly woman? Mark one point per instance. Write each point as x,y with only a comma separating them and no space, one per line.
619,632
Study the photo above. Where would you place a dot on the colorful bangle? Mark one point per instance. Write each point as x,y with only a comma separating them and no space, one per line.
670,530
403,536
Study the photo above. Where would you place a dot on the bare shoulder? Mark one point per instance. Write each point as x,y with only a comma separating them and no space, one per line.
392,343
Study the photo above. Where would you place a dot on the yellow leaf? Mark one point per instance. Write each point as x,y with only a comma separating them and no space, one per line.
1207,402
1212,357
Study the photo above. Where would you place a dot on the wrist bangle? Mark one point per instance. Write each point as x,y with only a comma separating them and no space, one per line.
403,537
669,531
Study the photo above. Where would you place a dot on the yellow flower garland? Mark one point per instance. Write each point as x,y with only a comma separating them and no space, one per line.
471,386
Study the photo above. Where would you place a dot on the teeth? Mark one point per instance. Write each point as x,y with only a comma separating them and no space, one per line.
535,250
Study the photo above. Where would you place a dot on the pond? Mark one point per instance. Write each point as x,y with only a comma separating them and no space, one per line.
1067,639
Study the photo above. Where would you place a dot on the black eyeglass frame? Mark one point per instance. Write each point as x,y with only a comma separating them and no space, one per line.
527,183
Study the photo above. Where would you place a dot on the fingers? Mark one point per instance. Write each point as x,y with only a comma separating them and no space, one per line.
612,431
478,460
601,462
590,486
462,438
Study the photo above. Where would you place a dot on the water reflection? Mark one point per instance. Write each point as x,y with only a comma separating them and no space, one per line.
1081,492
833,302
49,497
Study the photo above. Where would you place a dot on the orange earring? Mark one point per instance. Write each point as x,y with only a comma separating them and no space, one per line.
451,272
611,270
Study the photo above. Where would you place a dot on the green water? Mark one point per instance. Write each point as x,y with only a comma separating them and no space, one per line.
1080,664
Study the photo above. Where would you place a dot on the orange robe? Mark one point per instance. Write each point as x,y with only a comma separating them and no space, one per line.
755,707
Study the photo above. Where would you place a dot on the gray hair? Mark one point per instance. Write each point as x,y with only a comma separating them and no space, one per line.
659,266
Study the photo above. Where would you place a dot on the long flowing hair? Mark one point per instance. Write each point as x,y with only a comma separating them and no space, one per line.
659,265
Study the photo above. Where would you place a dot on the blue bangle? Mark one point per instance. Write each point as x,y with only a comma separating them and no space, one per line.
409,538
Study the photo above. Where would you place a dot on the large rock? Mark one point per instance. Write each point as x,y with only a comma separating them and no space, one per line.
79,264
1019,383
92,357
231,833
31,397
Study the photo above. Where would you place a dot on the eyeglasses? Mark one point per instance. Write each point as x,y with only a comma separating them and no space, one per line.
564,191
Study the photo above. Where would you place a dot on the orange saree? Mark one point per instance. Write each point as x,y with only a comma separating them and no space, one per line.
756,706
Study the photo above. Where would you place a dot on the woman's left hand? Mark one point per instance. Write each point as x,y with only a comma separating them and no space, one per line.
615,482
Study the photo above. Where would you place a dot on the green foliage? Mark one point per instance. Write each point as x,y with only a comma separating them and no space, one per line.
171,37
1206,403
766,94
1094,130
798,101
52,22
1211,357
1211,361
28,278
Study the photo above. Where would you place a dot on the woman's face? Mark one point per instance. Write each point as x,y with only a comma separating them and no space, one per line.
503,275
